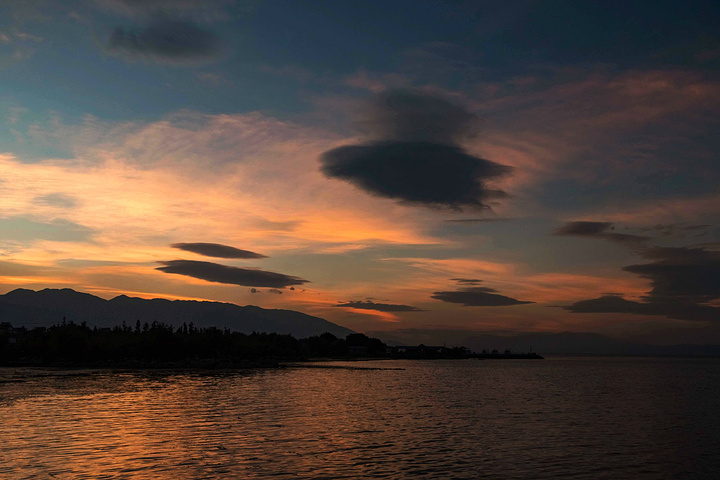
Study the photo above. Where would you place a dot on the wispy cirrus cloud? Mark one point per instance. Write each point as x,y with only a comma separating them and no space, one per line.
199,10
258,170
166,40
27,230
59,200
614,136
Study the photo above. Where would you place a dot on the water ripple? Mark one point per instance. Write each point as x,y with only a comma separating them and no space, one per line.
563,418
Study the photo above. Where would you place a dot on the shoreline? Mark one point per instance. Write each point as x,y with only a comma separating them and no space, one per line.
237,364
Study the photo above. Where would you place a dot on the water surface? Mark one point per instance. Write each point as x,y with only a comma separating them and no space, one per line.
554,418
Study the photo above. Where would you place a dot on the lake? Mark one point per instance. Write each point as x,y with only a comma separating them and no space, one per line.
563,417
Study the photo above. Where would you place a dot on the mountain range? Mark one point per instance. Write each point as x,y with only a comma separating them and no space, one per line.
28,308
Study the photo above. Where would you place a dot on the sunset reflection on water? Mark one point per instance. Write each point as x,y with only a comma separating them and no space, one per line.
590,418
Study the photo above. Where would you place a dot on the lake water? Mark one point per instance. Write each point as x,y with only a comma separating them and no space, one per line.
619,418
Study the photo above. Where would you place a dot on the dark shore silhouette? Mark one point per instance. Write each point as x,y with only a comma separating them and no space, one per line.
161,345
158,345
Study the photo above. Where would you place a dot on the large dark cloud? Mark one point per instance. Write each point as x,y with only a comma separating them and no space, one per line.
214,272
680,274
416,172
382,307
406,116
477,297
601,230
684,280
413,154
166,40
615,304
216,250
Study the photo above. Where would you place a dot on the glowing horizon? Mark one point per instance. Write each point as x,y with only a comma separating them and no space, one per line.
439,184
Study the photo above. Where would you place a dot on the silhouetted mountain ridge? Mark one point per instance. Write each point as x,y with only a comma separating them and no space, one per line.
23,307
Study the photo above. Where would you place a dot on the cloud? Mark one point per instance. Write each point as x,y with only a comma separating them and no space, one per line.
14,269
615,304
681,275
56,200
413,154
381,307
466,281
23,229
216,250
598,230
585,229
197,9
214,272
678,230
405,116
684,280
477,297
289,71
166,40
477,220
420,173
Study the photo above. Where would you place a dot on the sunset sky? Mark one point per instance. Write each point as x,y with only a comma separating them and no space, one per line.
403,166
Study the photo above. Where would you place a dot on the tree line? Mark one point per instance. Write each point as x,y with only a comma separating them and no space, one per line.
71,343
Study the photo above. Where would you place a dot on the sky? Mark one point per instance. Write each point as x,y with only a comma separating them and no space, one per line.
395,167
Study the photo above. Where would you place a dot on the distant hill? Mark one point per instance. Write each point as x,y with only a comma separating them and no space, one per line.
566,343
29,308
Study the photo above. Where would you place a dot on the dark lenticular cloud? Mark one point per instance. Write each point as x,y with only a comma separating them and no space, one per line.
678,311
214,272
477,297
681,274
381,307
584,229
601,230
166,40
413,156
216,250
467,281
477,220
416,172
684,280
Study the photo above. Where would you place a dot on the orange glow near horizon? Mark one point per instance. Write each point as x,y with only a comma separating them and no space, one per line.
104,220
